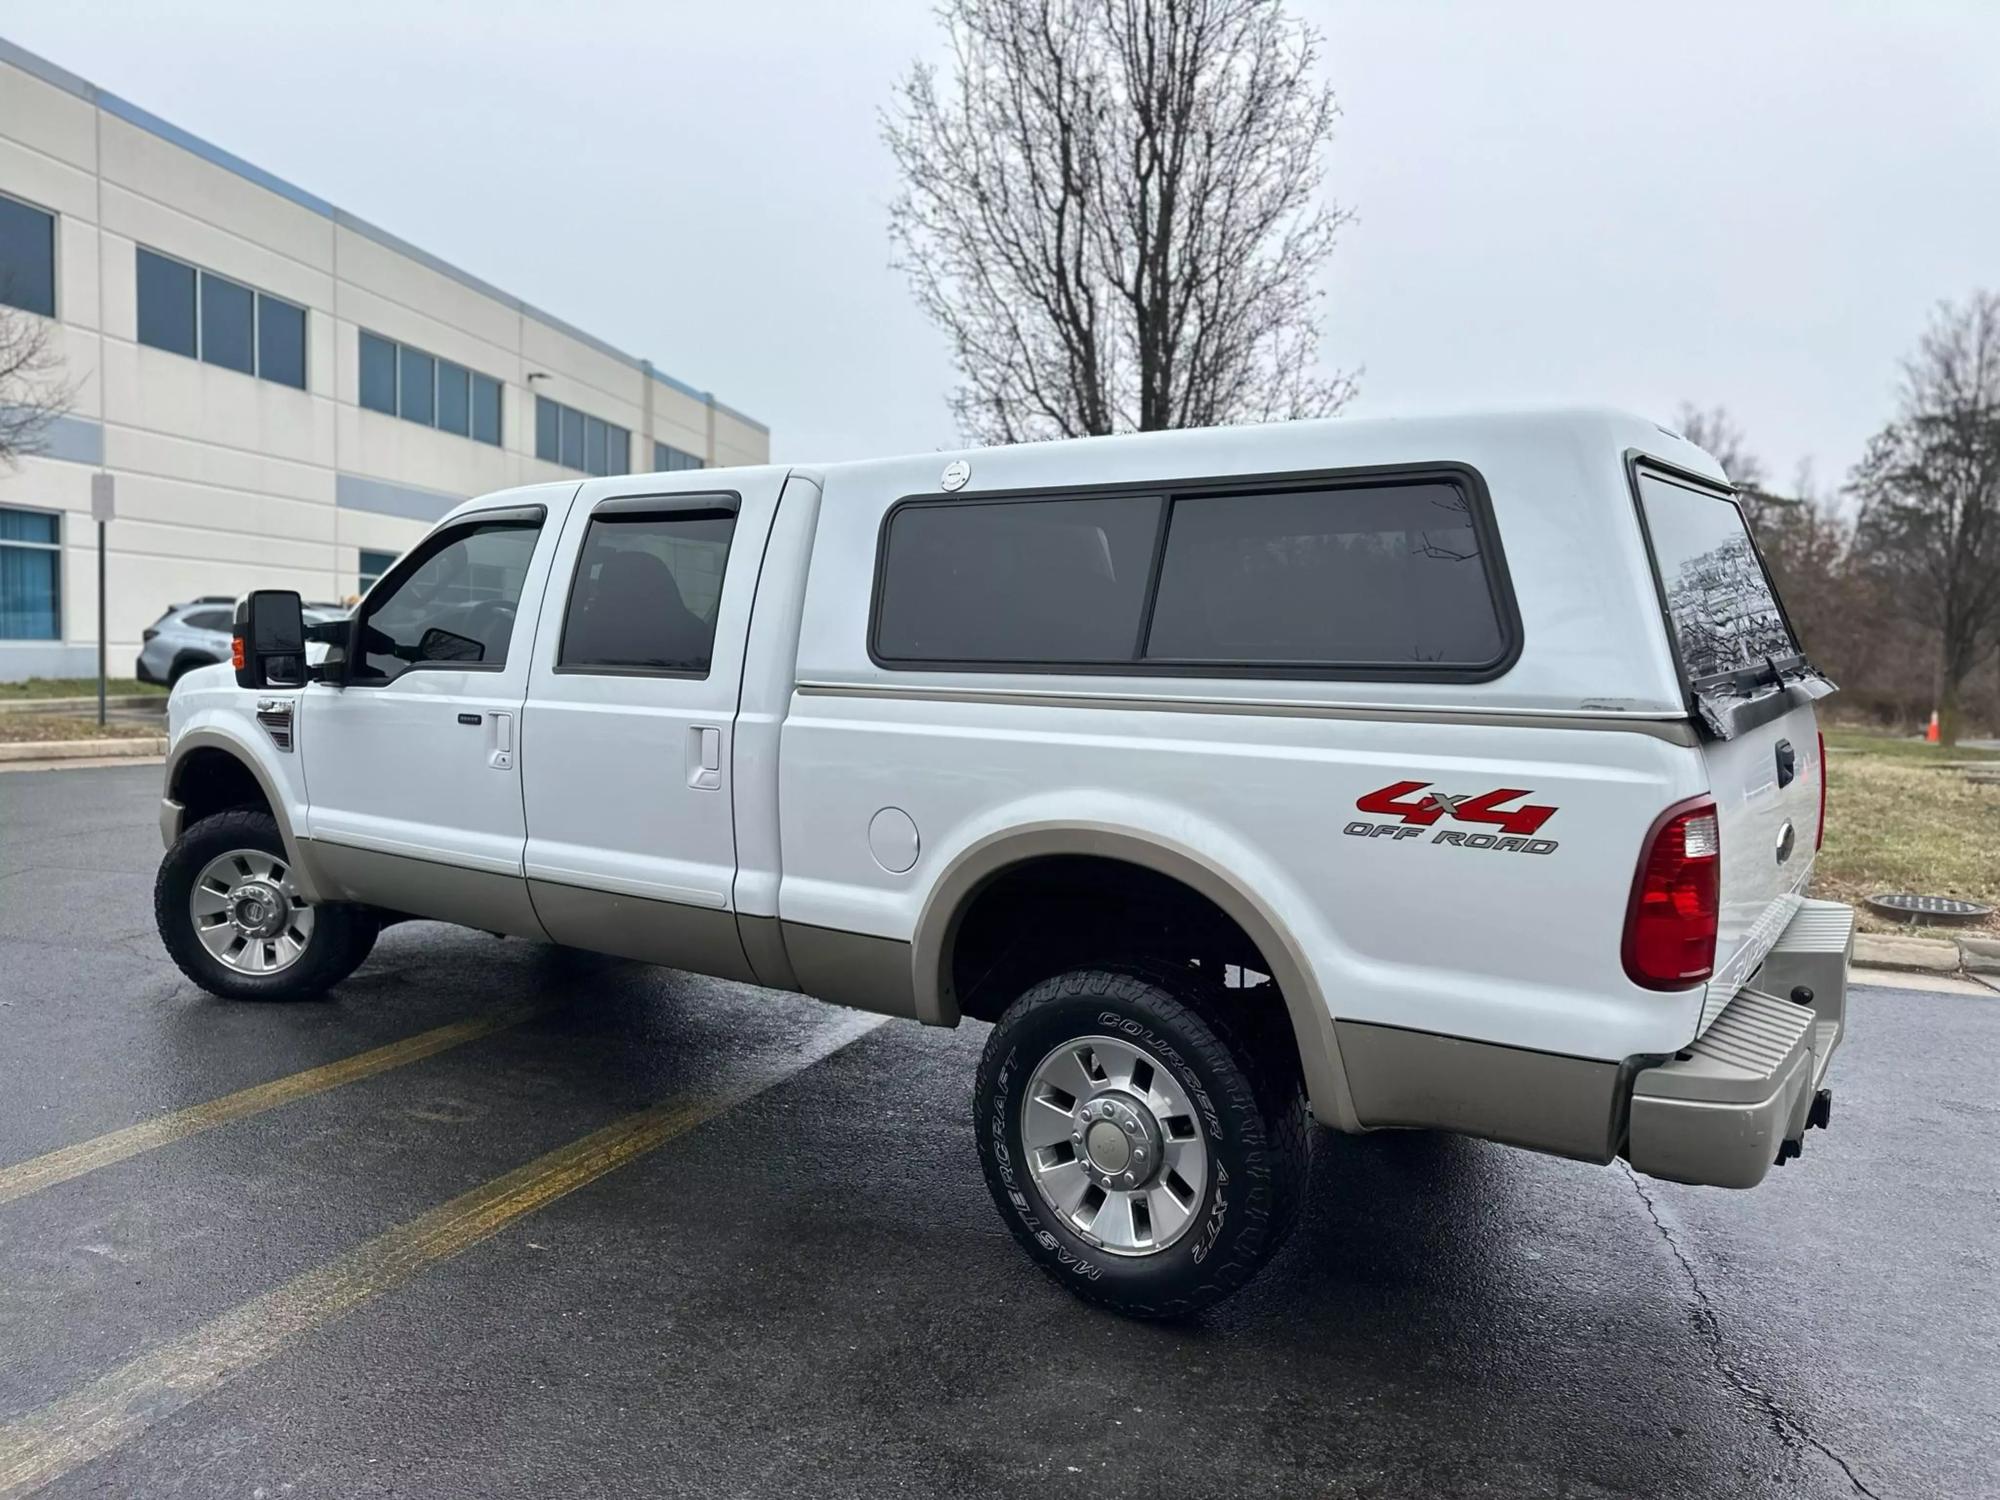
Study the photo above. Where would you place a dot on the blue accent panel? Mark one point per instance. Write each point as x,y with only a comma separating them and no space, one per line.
62,78
78,440
357,492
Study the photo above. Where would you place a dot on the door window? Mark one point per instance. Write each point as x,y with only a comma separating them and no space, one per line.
647,589
455,607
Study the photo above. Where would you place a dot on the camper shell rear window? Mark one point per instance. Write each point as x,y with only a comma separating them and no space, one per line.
1723,613
1386,574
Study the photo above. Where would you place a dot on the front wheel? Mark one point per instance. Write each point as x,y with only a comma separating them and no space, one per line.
1141,1151
230,913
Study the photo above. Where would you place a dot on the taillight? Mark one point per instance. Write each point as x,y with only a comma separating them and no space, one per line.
1819,839
1670,925
236,652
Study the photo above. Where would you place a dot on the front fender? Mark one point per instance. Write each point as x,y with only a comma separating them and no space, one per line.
206,726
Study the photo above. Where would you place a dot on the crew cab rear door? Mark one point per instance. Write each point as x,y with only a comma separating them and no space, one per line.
1754,692
628,731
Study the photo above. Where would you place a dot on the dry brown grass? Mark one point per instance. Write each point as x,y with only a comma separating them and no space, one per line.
1899,821
42,729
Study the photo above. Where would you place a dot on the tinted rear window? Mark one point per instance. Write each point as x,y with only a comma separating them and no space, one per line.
1720,606
1387,577
1373,579
1059,580
647,591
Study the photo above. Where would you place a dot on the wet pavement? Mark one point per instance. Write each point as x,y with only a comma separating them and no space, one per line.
771,1268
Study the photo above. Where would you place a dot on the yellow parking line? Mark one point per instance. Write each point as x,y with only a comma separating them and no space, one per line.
96,1418
61,1165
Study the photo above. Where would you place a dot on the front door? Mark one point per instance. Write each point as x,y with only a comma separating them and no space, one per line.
414,763
631,713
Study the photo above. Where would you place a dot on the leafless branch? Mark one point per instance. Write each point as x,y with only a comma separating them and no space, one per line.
1929,486
1716,432
33,392
1113,210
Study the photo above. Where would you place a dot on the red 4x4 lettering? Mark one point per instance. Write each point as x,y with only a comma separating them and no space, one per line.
1397,800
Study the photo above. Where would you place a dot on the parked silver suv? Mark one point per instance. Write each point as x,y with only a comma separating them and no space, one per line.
196,634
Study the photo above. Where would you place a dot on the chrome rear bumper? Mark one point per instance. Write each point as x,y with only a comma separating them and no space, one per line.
1741,1096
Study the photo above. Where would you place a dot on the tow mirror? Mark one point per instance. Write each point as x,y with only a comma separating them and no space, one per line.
268,645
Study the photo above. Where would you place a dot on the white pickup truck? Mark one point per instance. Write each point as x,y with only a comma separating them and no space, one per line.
1457,774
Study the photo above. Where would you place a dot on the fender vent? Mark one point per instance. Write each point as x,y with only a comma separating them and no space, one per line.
275,714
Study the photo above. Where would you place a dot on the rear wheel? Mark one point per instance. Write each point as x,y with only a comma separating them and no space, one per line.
1143,1151
230,912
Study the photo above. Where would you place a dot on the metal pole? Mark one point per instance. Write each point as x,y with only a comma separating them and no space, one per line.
100,624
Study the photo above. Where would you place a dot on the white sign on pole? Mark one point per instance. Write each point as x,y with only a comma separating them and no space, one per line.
103,498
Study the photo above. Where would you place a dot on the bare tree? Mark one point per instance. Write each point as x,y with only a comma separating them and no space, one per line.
1113,211
1716,432
32,390
1929,486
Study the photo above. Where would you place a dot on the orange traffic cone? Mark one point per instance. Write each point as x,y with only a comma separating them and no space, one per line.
1931,734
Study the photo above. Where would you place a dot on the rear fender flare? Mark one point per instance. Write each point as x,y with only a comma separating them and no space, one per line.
973,867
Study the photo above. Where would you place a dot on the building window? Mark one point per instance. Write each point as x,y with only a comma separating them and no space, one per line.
566,436
188,311
378,374
454,398
400,381
667,460
416,386
281,342
166,304
27,257
228,324
486,409
30,575
373,566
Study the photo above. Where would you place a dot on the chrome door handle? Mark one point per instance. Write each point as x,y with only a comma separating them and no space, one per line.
704,757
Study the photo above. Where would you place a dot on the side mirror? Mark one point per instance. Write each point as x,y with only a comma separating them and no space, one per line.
268,645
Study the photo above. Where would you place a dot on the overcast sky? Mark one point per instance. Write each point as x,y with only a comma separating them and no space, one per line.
1751,204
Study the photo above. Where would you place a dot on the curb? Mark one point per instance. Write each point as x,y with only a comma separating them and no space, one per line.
1974,955
81,705
132,749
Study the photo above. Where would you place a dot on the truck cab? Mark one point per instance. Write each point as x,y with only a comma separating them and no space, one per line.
1457,773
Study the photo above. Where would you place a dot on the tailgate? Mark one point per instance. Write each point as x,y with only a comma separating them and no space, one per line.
1769,821
1745,673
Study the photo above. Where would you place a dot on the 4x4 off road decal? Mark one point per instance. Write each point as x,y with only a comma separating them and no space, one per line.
1418,809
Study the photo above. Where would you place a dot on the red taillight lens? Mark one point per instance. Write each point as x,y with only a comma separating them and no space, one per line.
1819,839
1670,926
236,652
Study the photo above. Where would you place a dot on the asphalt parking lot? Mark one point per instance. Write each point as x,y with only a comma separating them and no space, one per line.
504,1221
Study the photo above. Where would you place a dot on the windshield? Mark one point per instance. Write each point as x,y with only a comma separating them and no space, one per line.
1724,617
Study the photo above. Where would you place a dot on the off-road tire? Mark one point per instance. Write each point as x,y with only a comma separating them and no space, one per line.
1257,1124
342,933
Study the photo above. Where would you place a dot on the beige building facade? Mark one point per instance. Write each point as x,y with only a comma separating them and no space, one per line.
287,396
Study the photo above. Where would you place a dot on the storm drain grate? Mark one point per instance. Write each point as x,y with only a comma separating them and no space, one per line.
1906,907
